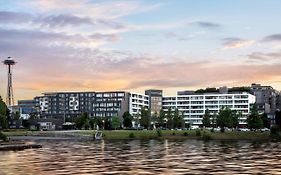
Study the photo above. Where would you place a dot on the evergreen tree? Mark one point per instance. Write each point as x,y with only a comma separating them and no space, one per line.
234,122
127,119
176,119
224,118
145,118
161,118
265,120
169,117
82,121
115,122
181,121
3,114
206,119
278,118
254,119
214,120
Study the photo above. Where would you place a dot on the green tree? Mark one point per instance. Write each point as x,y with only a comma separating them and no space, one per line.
224,118
3,114
82,121
235,119
206,119
33,116
169,117
16,115
127,119
254,119
214,120
161,118
115,122
92,123
181,121
176,119
278,118
145,117
86,124
107,123
265,120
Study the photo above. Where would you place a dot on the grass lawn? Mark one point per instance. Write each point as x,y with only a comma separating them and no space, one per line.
151,134
168,134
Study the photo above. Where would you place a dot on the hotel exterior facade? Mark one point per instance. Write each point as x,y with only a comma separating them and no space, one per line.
193,106
72,104
96,104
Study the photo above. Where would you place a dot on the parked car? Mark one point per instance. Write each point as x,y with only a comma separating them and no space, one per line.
264,129
217,129
194,127
243,129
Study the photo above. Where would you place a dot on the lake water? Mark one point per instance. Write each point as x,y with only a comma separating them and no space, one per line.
143,157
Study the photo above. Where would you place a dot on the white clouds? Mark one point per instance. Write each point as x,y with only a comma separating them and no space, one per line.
234,43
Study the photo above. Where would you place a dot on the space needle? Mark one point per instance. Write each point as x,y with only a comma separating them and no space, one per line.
9,62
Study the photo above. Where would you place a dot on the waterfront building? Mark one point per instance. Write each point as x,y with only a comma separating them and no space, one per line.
266,98
137,102
68,105
193,106
64,104
155,100
109,104
26,108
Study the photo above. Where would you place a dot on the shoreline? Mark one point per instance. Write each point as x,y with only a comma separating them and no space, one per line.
88,135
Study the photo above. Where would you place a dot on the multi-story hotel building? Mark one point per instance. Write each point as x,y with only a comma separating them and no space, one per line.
137,102
71,104
155,98
193,106
114,103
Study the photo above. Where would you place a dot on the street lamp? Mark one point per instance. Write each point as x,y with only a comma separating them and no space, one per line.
103,123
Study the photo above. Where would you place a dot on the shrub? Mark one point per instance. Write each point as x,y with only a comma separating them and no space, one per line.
132,135
206,136
159,133
185,134
212,130
3,137
274,132
198,132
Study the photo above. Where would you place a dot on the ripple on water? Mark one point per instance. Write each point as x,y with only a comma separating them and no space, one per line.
144,157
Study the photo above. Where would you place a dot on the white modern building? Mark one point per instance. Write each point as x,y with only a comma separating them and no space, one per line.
137,102
193,106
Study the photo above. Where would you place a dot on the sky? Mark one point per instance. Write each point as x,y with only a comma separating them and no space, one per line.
133,45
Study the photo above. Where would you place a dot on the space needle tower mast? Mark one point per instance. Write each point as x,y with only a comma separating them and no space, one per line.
9,62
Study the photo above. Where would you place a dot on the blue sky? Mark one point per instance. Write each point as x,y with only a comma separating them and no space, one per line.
70,45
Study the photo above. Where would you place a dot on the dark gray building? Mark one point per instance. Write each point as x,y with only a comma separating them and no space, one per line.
68,105
155,100
266,98
109,104
26,108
